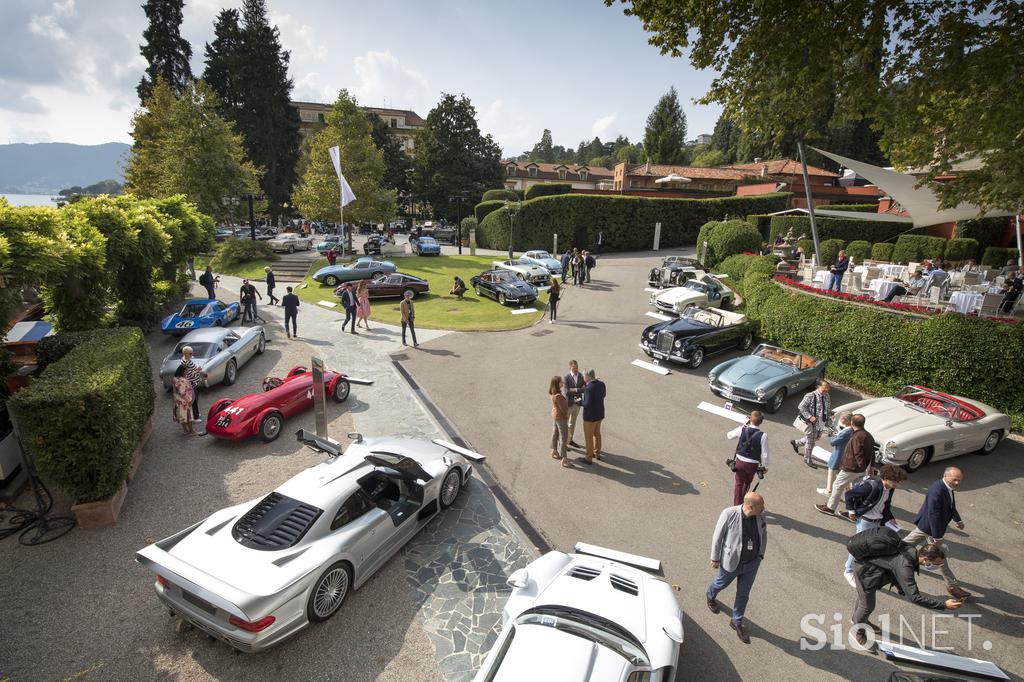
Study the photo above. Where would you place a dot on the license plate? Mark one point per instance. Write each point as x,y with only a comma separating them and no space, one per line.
660,356
729,394
196,601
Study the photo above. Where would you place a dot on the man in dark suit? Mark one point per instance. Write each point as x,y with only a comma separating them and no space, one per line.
574,384
348,302
938,510
593,414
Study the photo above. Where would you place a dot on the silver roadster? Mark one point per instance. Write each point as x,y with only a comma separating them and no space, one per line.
217,351
253,574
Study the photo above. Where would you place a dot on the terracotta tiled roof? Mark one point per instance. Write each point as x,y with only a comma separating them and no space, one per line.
782,167
411,117
658,170
593,172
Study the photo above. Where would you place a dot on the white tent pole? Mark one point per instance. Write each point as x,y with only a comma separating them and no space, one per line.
1020,252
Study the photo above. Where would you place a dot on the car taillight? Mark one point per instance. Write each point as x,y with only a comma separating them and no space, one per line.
255,626
162,580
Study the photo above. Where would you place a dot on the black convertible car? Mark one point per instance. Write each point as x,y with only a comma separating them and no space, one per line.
697,333
504,287
373,244
675,271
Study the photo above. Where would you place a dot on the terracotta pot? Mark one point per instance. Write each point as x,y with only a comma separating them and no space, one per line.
91,515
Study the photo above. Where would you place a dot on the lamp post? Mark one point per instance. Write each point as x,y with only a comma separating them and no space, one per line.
458,199
513,208
250,198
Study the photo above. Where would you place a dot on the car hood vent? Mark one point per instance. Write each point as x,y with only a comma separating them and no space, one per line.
276,522
585,572
624,584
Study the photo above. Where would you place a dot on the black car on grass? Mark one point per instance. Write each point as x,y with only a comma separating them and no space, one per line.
504,287
697,333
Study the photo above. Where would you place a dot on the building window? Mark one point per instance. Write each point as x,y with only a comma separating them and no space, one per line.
561,174
394,123
320,118
632,183
533,171
510,170
583,175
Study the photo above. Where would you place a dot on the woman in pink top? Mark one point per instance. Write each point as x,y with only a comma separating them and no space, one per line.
363,304
560,415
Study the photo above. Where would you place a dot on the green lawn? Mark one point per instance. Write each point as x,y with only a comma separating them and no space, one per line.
251,270
438,309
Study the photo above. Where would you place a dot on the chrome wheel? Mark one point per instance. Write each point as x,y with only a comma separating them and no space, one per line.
501,299
917,459
270,428
477,290
697,358
341,391
450,488
230,373
776,402
261,345
991,442
747,340
329,592
330,280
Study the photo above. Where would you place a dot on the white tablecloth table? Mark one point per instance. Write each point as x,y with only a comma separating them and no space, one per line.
893,271
882,287
965,301
820,278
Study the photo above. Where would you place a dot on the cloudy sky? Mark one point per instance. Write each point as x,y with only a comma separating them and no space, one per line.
68,68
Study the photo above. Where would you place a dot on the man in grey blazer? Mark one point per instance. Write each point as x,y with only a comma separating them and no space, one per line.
574,384
737,548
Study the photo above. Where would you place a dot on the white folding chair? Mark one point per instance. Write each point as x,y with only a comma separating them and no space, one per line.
990,304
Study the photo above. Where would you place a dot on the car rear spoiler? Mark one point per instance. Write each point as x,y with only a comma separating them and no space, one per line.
635,560
315,442
469,454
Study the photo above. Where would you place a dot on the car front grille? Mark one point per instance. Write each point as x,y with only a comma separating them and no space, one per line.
742,392
661,305
665,340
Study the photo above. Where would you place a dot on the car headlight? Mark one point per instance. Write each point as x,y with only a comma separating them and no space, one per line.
890,449
760,393
678,343
650,335
653,296
712,377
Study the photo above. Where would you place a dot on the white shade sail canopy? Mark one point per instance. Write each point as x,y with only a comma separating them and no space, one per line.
919,201
672,177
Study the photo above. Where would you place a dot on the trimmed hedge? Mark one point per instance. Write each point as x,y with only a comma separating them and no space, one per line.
763,223
626,221
858,251
997,257
84,415
729,238
917,247
500,195
882,251
847,229
959,250
546,189
481,210
988,231
879,351
468,223
806,246
858,208
234,251
830,249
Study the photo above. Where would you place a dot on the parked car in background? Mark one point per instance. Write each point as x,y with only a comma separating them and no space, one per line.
329,241
504,287
586,617
291,242
445,235
218,353
425,246
528,271
919,425
675,271
697,333
198,313
394,285
373,244
767,376
332,275
253,574
223,233
705,292
545,260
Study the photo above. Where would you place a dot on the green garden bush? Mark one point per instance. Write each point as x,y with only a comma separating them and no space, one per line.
807,246
84,415
855,208
236,251
880,351
704,236
626,221
830,249
484,208
729,238
468,224
917,247
988,231
858,251
997,257
500,195
547,189
763,223
882,251
960,250
847,229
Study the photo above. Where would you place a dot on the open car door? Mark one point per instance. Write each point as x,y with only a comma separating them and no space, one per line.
406,467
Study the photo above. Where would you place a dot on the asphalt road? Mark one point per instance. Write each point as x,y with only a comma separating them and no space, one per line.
663,482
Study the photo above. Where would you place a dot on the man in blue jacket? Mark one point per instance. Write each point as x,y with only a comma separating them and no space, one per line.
593,415
938,510
566,259
869,505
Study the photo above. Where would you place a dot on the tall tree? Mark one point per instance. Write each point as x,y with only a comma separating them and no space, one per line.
543,151
166,52
725,138
397,163
932,77
452,157
183,146
665,134
225,64
317,195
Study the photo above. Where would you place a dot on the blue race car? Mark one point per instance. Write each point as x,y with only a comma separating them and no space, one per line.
766,376
198,313
425,246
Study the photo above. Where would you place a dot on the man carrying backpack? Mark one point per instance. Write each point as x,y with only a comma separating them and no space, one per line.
869,505
881,559
751,454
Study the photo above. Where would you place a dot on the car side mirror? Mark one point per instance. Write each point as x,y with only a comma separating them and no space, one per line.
949,423
355,437
674,631
519,579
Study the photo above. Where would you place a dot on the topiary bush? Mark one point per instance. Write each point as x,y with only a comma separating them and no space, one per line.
546,189
468,224
235,251
626,221
847,229
84,415
882,251
729,238
500,195
807,246
858,250
987,231
484,208
960,250
704,236
997,257
830,249
763,223
917,247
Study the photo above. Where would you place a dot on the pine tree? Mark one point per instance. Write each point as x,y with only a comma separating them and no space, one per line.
224,64
725,138
397,163
665,135
167,53
452,157
317,195
543,151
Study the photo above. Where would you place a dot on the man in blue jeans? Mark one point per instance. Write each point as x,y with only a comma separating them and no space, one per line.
737,548
869,505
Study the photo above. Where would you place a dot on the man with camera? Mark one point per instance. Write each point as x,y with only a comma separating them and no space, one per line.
751,455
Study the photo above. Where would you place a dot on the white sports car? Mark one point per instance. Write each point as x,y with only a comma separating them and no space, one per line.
290,242
537,275
918,425
253,574
706,292
587,616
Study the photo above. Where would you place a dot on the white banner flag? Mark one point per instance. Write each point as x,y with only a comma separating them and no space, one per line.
347,195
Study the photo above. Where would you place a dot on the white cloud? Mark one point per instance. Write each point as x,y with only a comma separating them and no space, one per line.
383,78
310,88
299,39
603,126
46,26
508,129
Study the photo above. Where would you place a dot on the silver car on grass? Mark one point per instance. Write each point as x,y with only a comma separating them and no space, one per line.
253,574
219,352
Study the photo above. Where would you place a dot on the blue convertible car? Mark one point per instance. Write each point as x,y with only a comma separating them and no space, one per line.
198,313
766,376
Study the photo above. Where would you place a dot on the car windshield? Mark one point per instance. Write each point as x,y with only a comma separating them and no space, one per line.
697,286
541,255
930,402
590,627
199,350
780,355
702,315
503,277
192,310
427,241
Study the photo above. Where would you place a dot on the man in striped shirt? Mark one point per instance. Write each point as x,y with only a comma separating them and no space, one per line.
194,377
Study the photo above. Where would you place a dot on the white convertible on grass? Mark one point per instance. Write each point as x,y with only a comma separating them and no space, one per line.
919,425
706,292
537,275
588,617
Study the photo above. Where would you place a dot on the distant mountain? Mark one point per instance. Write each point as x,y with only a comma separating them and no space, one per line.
47,168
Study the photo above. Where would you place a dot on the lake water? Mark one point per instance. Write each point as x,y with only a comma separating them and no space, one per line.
29,199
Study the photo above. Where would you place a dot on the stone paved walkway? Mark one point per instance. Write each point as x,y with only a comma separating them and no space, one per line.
456,567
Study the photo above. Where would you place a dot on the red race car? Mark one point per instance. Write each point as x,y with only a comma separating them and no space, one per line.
263,414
